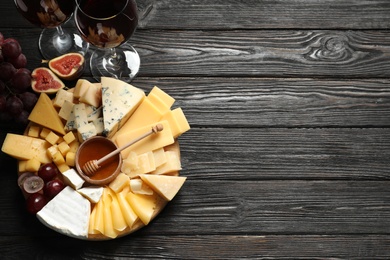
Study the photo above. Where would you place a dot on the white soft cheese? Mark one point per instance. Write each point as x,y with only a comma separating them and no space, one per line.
93,194
68,213
73,179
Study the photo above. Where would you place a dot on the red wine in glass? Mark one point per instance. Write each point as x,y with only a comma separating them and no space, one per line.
51,15
107,25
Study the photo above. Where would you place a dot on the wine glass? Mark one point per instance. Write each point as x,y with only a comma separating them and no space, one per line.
54,40
107,25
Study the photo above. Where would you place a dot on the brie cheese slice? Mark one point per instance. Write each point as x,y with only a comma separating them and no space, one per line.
68,213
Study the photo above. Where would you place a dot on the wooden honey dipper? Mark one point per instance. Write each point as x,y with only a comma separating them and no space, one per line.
92,166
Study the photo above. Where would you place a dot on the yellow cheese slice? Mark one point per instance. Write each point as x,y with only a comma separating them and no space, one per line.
143,205
118,220
46,115
167,99
128,212
146,113
158,102
24,147
166,186
150,143
177,121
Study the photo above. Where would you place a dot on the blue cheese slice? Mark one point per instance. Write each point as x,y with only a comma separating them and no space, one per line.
119,100
68,213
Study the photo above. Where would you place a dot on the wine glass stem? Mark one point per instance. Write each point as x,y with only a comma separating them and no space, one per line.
60,31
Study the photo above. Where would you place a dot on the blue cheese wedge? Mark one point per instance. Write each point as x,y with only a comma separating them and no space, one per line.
68,213
119,101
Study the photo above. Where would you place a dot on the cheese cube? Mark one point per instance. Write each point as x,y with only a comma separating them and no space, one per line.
86,131
32,165
74,146
52,150
52,138
70,159
91,96
33,131
22,165
61,96
58,158
73,179
69,137
66,110
44,132
81,86
64,148
63,167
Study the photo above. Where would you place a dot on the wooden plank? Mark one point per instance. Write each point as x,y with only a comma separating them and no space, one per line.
252,14
225,207
264,53
295,153
202,247
250,53
273,102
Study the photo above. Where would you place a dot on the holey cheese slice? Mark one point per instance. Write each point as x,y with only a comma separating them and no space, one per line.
119,101
68,213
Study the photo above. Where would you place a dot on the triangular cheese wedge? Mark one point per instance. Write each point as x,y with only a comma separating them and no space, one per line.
46,115
166,186
119,100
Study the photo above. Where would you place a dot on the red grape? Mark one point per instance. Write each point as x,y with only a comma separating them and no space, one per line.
18,62
23,177
48,172
20,82
3,87
11,49
33,184
35,202
52,188
22,118
29,100
7,70
14,105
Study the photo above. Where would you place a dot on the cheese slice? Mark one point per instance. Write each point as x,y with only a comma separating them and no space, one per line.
166,186
46,115
149,143
24,147
143,205
68,213
119,101
92,193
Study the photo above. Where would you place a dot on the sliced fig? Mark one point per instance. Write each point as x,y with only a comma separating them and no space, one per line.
68,66
44,80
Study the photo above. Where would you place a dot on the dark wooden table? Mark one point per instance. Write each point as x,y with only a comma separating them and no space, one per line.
289,152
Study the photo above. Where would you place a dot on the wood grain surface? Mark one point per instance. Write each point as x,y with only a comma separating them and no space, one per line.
289,152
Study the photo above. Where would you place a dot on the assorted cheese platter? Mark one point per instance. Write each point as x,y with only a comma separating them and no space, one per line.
146,172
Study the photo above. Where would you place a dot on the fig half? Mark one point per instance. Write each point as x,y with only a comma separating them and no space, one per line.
44,80
68,66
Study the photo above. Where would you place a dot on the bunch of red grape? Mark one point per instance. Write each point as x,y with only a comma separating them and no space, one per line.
40,188
16,98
